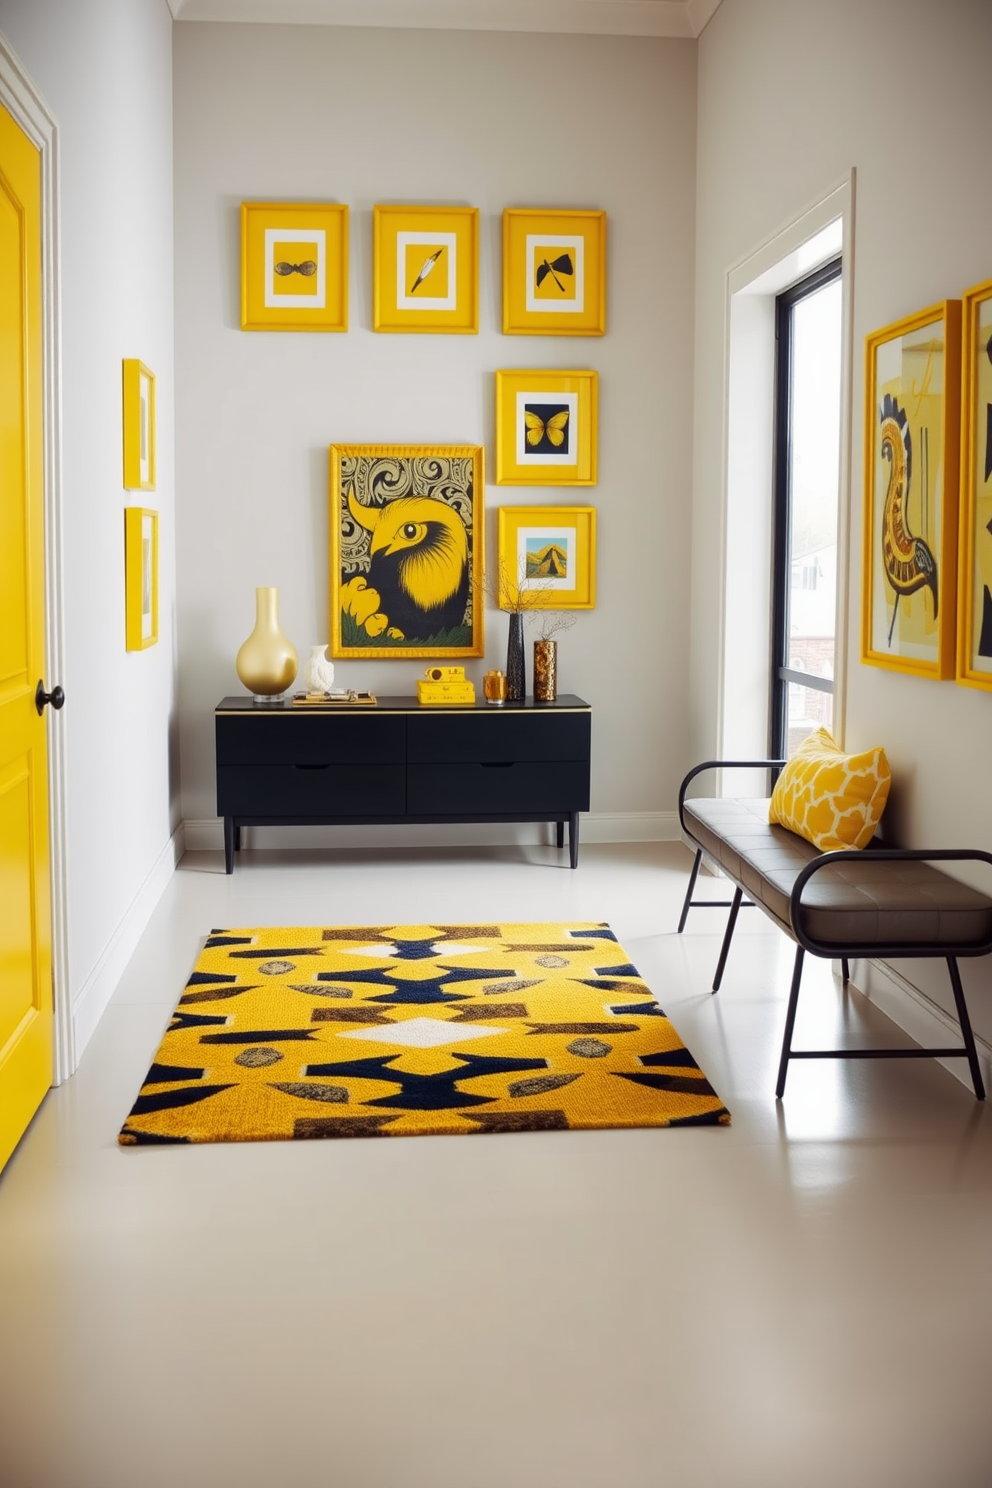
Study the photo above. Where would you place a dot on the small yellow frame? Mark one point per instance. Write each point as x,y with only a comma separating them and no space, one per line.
426,269
554,273
547,557
546,428
140,577
974,657
911,449
294,266
138,426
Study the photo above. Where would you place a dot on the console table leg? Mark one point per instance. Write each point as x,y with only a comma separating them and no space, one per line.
237,836
229,844
573,838
560,834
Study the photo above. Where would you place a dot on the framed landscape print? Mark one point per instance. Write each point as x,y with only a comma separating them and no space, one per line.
139,426
407,529
975,569
546,428
294,266
140,577
426,269
554,273
912,432
551,553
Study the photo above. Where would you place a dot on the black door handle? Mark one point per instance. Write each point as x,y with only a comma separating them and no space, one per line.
56,697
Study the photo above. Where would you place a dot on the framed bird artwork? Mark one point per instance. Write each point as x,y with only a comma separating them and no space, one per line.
912,440
554,273
294,266
406,526
546,428
426,272
974,667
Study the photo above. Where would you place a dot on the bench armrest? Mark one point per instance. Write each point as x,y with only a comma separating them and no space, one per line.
765,764
878,855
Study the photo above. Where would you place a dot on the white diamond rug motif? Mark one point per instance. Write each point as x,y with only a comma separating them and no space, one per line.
424,1033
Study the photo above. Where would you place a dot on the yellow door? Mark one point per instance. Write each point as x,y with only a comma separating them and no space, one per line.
26,1001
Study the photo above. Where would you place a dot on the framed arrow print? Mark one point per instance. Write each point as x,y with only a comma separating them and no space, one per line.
426,269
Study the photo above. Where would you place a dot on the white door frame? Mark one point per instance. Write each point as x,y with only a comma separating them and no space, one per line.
22,100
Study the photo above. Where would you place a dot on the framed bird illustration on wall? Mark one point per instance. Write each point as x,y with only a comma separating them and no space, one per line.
912,439
426,272
406,526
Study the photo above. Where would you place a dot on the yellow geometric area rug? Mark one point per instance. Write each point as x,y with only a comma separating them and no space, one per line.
407,1030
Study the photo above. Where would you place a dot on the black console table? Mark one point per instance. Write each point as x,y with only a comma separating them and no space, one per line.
398,762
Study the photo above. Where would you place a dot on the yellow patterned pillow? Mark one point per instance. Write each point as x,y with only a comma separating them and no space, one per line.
832,799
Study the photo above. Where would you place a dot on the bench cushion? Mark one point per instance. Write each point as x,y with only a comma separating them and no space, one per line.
855,905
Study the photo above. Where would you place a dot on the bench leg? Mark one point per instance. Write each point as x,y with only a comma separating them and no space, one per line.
727,938
790,1023
688,893
845,970
966,1033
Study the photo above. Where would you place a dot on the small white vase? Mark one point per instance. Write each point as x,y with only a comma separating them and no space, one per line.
318,672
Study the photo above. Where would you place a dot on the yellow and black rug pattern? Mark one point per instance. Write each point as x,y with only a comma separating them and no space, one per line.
405,1030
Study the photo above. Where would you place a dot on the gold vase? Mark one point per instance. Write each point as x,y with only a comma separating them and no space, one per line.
267,661
545,671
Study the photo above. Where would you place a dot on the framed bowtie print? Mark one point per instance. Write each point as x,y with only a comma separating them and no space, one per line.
554,273
546,428
294,266
426,269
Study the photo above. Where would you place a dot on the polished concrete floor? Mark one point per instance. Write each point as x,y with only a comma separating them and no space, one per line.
801,1300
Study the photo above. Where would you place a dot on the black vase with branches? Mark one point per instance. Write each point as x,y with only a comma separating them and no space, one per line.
516,674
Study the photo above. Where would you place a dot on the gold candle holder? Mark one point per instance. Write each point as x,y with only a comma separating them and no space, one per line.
494,688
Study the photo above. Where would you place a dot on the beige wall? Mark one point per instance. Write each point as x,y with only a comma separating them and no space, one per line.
791,96
489,120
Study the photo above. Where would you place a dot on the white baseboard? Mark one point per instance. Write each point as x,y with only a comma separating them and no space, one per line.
207,835
918,1015
96,991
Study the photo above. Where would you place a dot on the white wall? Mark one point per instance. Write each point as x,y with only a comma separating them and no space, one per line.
105,70
791,95
488,120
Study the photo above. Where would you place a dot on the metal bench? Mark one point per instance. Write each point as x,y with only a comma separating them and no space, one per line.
878,902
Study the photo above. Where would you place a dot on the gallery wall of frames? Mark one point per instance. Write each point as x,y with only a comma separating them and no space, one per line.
927,576
425,275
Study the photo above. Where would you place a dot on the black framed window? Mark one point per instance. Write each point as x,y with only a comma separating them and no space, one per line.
808,326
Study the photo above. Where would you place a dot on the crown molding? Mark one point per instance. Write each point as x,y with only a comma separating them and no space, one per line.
672,18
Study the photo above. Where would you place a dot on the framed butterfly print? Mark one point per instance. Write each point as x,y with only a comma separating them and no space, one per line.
426,269
546,428
294,266
554,273
551,552
912,443
974,666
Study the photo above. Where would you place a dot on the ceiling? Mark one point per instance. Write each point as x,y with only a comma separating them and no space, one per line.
683,18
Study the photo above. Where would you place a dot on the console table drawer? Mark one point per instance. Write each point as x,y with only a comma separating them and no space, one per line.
318,739
490,789
496,736
360,791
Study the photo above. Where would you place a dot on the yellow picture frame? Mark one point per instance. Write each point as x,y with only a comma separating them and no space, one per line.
911,453
140,577
554,272
974,649
294,266
426,269
546,427
385,601
549,552
138,422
